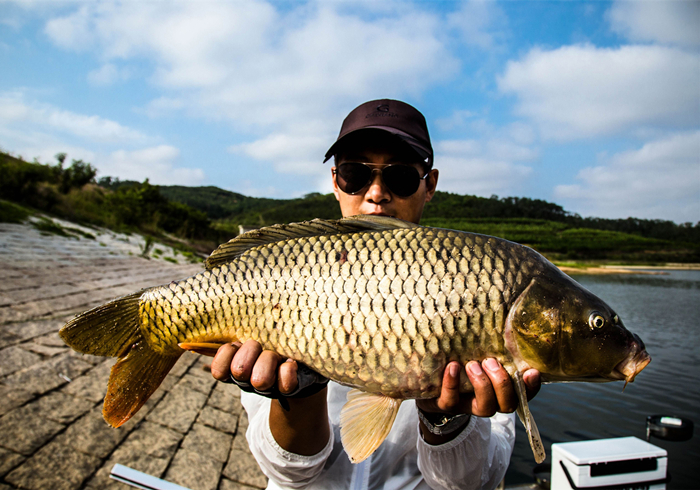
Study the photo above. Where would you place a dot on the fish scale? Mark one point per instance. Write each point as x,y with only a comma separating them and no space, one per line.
345,281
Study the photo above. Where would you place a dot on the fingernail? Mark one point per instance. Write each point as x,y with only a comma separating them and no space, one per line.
454,370
475,368
491,364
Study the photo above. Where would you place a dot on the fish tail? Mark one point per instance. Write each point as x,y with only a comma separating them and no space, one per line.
113,329
133,380
107,330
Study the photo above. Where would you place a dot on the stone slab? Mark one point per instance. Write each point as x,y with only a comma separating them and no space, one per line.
55,466
93,384
243,468
194,470
179,408
12,397
24,431
14,333
218,419
9,460
148,449
205,440
92,435
15,358
226,397
59,407
48,375
227,484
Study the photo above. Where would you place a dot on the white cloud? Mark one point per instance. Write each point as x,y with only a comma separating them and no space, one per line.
582,91
107,74
482,167
660,180
459,119
478,22
289,153
667,22
156,164
17,114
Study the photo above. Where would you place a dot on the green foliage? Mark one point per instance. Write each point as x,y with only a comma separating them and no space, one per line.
561,240
214,202
187,213
47,226
12,213
448,205
307,208
76,176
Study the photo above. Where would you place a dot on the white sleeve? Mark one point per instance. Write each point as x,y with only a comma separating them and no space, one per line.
287,470
477,458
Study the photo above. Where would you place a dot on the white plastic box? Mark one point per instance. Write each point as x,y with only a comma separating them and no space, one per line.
620,463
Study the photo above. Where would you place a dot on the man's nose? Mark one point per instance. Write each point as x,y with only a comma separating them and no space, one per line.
378,192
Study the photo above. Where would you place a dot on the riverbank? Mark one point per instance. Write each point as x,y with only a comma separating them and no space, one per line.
599,269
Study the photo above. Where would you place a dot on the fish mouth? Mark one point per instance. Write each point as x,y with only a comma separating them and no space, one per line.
634,363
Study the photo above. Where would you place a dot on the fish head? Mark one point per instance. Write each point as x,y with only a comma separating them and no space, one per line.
569,334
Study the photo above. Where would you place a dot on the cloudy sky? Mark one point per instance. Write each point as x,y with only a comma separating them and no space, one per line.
592,105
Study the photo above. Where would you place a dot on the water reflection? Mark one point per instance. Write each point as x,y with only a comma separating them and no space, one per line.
664,310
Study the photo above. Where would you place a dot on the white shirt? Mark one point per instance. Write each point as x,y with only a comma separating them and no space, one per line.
477,458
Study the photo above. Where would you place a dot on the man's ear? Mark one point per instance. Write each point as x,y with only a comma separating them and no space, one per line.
430,184
336,191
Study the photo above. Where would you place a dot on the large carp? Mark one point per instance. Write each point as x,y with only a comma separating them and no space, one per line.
375,303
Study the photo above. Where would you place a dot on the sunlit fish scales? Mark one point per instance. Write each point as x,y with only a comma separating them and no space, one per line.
371,302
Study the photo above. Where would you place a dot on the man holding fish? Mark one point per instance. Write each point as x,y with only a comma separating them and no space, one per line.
383,166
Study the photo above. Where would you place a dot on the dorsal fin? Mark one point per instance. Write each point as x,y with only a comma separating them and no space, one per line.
275,233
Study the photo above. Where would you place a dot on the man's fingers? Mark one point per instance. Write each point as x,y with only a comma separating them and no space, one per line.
244,360
449,394
287,376
484,403
532,380
221,364
264,372
503,388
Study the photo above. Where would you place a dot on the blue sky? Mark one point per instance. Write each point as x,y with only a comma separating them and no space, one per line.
592,105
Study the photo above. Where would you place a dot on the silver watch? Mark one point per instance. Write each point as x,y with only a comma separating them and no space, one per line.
442,424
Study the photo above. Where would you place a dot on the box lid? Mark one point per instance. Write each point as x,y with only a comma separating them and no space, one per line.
606,450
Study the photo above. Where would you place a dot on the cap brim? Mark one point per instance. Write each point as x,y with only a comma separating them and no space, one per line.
423,152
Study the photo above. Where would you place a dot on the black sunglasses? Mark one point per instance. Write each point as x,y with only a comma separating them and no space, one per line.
401,180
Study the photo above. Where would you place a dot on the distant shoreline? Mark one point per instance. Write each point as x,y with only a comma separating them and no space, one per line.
626,269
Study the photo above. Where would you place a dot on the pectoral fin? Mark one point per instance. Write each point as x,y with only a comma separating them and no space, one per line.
204,348
528,421
365,421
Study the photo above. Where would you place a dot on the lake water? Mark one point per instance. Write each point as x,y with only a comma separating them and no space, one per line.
664,310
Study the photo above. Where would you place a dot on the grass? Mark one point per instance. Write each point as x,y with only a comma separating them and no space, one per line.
13,213
49,227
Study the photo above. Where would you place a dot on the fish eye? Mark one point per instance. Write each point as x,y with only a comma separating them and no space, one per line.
596,320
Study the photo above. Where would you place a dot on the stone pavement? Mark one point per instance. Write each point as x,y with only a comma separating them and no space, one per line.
52,435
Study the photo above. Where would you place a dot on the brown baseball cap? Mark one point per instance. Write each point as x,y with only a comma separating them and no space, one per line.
393,116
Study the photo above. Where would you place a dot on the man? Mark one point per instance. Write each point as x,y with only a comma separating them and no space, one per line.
383,166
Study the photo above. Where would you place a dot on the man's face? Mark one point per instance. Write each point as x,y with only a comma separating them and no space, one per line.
376,198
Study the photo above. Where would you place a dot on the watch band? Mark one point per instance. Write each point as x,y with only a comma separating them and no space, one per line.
442,424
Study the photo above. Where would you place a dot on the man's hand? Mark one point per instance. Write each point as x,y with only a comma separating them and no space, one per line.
249,363
493,392
299,429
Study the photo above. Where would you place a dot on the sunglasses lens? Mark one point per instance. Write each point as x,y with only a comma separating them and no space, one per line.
402,180
352,177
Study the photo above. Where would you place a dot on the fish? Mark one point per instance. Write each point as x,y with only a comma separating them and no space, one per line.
371,302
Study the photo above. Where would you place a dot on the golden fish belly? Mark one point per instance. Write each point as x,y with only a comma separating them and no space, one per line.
384,311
